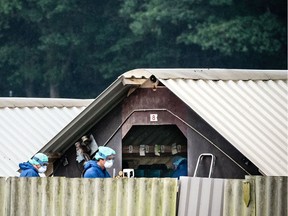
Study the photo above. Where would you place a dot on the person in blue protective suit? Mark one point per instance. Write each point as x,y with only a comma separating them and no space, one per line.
180,167
32,168
103,159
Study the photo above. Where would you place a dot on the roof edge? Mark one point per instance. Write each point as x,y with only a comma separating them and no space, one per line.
208,74
88,117
21,102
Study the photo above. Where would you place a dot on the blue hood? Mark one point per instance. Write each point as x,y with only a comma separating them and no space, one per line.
90,163
93,170
25,166
28,170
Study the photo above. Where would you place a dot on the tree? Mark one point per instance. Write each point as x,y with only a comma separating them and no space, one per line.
247,29
75,48
64,40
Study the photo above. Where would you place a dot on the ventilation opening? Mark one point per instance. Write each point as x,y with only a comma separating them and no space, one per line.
150,149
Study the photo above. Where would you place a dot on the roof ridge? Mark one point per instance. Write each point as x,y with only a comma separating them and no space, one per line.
21,102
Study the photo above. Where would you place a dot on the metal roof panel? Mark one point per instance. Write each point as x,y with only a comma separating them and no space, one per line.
207,74
25,130
251,115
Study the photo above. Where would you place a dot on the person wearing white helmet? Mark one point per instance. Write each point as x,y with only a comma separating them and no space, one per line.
32,168
103,159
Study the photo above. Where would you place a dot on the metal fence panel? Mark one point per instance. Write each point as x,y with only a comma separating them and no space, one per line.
234,198
271,195
3,193
256,195
200,196
75,196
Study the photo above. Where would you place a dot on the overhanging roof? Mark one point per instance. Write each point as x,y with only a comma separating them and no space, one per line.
207,74
27,124
247,107
104,103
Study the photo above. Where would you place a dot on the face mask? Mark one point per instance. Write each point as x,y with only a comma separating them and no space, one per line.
42,169
108,163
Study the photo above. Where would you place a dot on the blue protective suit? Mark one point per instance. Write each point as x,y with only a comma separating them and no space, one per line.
28,170
182,170
93,170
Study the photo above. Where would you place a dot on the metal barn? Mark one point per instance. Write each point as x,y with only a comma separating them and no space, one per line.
228,123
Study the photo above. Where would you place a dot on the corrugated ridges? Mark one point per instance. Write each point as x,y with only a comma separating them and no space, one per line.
201,196
144,196
207,74
75,196
273,193
24,131
267,196
42,102
251,115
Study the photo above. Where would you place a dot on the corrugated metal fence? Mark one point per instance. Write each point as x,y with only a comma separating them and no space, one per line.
255,195
201,196
75,196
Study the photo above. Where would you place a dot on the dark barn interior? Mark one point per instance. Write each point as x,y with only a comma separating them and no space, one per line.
149,150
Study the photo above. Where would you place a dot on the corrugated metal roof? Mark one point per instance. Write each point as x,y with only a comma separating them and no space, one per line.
247,107
251,115
201,196
43,102
102,105
256,195
26,127
75,196
206,74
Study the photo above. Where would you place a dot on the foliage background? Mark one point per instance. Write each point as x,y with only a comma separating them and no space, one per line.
76,48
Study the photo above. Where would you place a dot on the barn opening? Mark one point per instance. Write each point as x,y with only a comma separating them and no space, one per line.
149,149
